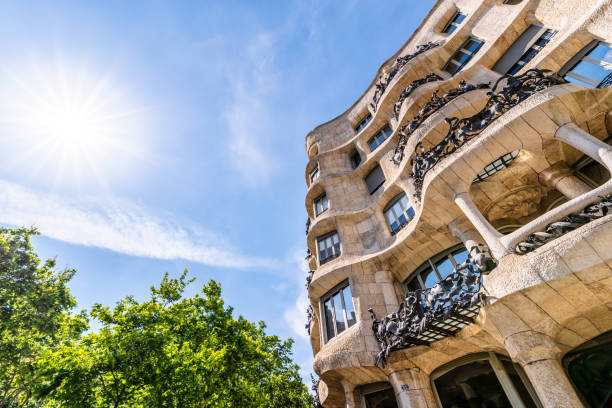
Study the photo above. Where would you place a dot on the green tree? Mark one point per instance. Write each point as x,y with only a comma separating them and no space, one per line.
34,315
173,351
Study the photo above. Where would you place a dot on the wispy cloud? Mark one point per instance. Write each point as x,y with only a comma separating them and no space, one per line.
120,226
253,79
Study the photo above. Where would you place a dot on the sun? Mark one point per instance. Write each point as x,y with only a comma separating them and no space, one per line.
76,125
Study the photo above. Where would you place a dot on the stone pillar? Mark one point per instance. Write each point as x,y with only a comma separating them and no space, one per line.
462,229
349,394
538,355
412,388
385,280
586,143
560,177
483,226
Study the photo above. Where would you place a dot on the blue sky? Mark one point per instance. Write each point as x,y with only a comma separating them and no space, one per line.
143,137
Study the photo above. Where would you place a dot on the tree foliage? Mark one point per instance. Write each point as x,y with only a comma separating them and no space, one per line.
167,351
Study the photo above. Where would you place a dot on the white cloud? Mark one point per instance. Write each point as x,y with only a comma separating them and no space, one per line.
252,78
118,225
295,314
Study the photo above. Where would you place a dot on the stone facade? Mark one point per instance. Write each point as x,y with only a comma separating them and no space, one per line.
540,304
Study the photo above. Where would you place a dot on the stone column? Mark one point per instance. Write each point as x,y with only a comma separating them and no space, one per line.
538,355
412,388
385,280
560,177
586,143
349,394
483,226
462,229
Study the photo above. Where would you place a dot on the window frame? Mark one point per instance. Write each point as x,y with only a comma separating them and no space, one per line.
386,132
579,57
524,59
450,25
314,173
462,49
504,163
431,264
338,289
389,207
334,255
495,361
363,122
316,200
384,179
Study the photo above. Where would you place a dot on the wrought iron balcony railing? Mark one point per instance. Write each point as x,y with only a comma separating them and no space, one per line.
435,104
567,224
432,314
461,131
383,81
410,88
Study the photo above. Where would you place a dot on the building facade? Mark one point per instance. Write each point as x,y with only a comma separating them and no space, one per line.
460,216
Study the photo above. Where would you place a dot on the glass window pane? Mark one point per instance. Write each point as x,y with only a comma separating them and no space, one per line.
397,209
429,278
390,217
518,383
592,71
410,212
340,324
462,58
459,18
414,285
335,238
445,268
348,302
461,257
602,52
405,202
329,319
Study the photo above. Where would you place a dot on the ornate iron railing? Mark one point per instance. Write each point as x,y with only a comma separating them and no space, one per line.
432,314
309,278
309,318
435,104
461,131
307,225
316,402
410,88
567,224
383,81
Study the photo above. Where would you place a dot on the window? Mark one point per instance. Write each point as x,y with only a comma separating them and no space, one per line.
377,395
374,179
355,159
463,55
379,137
320,204
533,39
495,166
314,174
329,247
363,122
483,380
338,311
453,23
437,268
398,213
512,2
591,67
588,368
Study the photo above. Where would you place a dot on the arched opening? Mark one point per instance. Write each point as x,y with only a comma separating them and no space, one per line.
483,380
589,368
377,395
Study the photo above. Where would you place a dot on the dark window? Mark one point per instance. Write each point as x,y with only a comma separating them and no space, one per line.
512,2
320,204
477,384
329,247
363,122
533,39
453,23
436,268
379,137
591,67
495,166
589,368
374,179
398,213
355,159
314,173
463,55
338,310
